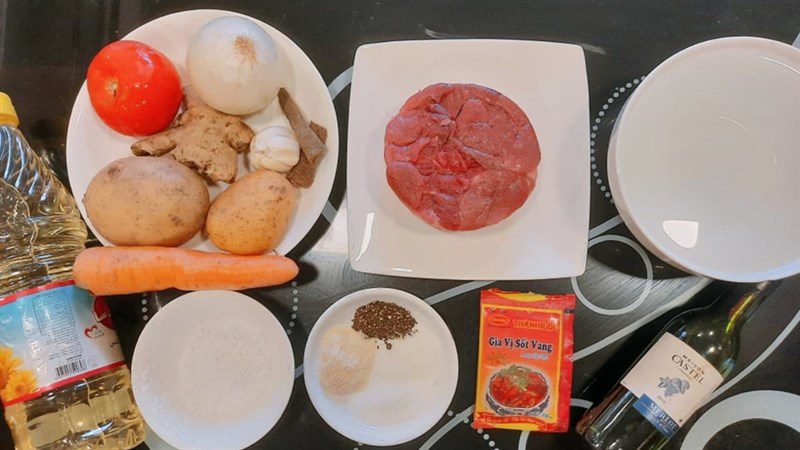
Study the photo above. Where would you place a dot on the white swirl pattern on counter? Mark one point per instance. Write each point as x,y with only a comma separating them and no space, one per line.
648,285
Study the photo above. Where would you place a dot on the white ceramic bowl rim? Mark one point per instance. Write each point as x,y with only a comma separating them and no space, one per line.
629,215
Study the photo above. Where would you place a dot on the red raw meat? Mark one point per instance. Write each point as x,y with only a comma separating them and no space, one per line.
461,156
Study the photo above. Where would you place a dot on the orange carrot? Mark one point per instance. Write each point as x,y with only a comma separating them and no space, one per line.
127,270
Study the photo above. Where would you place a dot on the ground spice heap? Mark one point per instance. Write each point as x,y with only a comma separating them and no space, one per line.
385,321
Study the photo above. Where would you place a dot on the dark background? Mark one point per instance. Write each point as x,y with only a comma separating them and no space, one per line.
45,47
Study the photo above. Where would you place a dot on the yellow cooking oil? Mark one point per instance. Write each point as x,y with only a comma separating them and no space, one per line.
63,383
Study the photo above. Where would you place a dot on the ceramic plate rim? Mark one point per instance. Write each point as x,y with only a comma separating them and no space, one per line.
386,293
173,309
777,272
577,262
315,210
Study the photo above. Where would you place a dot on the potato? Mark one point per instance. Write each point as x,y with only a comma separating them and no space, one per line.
147,201
250,217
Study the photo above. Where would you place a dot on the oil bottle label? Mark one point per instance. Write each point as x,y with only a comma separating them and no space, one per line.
670,383
52,336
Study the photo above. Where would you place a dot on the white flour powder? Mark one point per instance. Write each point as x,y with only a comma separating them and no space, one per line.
224,370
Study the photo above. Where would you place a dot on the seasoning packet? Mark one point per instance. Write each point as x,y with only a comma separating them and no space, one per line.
524,361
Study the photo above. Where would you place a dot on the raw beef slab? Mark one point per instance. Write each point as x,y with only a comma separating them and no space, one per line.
461,156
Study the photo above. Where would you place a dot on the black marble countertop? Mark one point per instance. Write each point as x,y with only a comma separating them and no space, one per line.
46,46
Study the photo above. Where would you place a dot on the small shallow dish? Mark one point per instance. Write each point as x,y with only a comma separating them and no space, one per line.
410,386
704,162
193,420
546,237
91,145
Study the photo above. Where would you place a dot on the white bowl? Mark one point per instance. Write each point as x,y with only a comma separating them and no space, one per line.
409,387
704,162
188,415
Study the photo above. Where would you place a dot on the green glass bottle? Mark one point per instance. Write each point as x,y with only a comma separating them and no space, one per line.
693,355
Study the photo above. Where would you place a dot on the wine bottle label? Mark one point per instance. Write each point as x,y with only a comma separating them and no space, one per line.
52,336
670,383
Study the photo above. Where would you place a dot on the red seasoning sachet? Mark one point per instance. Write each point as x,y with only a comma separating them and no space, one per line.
524,361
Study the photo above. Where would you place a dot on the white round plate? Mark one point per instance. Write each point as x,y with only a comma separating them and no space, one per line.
410,386
182,413
704,163
91,145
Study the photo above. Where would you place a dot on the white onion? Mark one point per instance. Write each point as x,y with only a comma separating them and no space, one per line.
234,65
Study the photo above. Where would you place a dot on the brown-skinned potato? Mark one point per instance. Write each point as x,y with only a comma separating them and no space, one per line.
251,216
147,201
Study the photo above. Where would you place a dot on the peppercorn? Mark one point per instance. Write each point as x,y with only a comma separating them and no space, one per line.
384,320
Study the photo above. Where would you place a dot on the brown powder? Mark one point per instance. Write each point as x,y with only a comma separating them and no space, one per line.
384,321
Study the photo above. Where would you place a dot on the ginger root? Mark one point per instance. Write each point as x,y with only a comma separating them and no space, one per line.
203,139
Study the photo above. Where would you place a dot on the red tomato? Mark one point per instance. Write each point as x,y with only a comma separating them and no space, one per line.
134,88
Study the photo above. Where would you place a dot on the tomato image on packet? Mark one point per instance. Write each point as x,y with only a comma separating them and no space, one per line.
524,361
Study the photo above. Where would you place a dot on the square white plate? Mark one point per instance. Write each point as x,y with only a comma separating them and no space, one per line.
547,236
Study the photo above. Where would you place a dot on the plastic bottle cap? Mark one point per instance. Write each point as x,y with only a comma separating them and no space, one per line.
8,116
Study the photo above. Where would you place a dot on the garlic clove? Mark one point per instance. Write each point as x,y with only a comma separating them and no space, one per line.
274,148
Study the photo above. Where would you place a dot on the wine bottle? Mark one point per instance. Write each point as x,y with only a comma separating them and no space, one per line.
681,368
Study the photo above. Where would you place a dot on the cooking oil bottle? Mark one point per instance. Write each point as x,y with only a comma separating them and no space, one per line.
63,381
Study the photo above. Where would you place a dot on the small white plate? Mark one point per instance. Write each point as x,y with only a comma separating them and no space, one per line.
181,411
91,145
704,163
547,236
410,386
